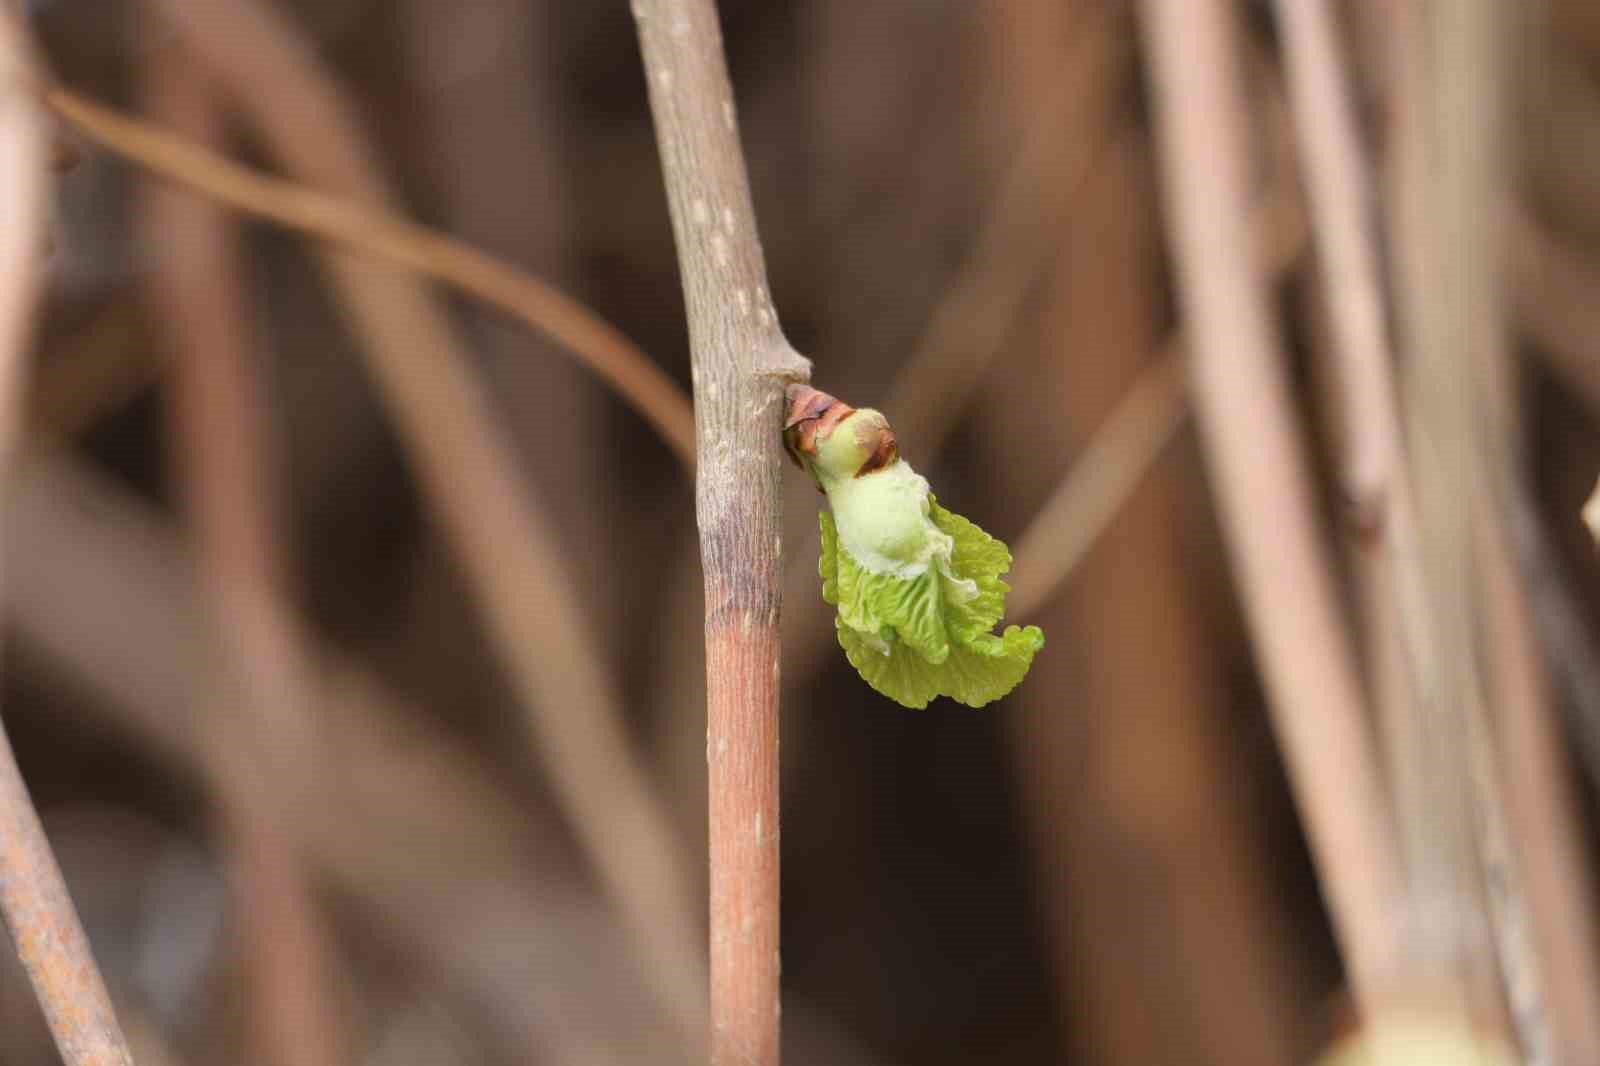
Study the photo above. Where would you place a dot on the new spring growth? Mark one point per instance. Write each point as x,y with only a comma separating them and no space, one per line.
917,588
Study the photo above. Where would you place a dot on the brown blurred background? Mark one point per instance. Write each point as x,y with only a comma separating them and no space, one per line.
305,812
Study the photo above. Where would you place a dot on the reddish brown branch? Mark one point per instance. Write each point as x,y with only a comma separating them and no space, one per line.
38,913
741,364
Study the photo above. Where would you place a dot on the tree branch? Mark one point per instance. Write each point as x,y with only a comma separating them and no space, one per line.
741,365
487,512
261,691
589,338
1259,463
38,913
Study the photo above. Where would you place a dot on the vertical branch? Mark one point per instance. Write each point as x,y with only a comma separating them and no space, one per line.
1259,463
741,363
261,701
1381,512
1542,808
1449,192
38,913
1454,176
488,514
1380,507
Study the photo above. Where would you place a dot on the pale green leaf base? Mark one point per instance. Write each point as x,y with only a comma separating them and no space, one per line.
913,639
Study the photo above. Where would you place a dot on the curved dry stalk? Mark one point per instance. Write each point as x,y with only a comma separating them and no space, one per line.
1136,432
487,916
261,693
1020,229
1103,476
588,337
741,365
487,512
34,903
1264,486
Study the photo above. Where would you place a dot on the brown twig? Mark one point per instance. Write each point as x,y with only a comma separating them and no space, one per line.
1105,473
1336,179
1378,505
38,912
1019,229
1259,462
1552,290
1125,775
1542,805
741,365
1475,929
501,944
1135,434
581,332
262,689
488,513
1563,630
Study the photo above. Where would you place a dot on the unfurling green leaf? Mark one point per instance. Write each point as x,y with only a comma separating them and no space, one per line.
917,587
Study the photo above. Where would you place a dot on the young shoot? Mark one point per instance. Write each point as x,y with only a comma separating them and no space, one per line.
917,587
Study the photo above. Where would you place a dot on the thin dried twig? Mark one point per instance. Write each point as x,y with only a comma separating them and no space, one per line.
488,513
1136,433
1102,478
1019,230
502,944
38,913
1467,458
741,365
1541,801
1478,929
1259,461
583,333
262,691
1379,507
1341,205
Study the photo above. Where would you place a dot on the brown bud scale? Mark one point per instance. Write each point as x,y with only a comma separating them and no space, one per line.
812,416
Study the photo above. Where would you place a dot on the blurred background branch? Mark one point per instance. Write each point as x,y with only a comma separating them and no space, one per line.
34,902
357,632
1266,494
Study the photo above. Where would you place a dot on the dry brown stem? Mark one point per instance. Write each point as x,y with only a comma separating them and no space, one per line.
487,512
1542,808
500,941
1379,513
369,228
1259,463
260,694
38,913
1019,229
1133,435
1479,928
741,365
1103,476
